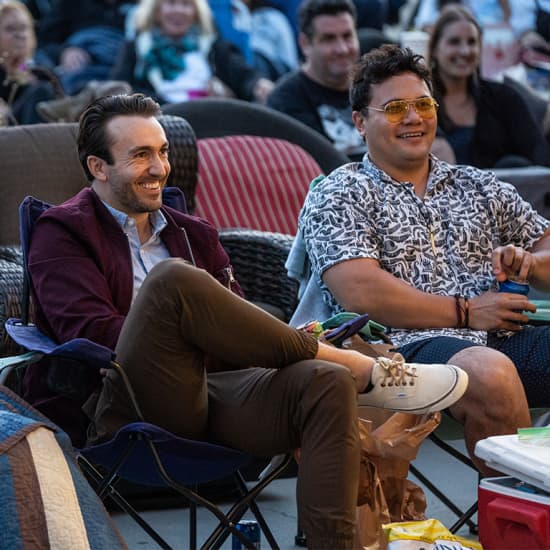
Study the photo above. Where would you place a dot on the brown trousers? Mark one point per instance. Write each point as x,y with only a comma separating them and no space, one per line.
183,320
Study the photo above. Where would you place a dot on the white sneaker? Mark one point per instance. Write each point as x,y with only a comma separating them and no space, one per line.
413,388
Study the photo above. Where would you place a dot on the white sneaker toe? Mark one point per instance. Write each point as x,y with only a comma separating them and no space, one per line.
414,388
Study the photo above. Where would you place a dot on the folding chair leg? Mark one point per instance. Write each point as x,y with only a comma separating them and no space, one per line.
452,451
219,535
225,524
121,502
300,538
108,479
464,517
257,514
193,524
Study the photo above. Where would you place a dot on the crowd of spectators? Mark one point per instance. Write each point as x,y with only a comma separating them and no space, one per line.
294,58
176,55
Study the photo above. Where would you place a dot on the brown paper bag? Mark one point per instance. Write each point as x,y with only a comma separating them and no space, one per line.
357,343
385,494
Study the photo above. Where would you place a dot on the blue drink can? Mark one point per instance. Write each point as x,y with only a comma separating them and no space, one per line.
514,287
251,530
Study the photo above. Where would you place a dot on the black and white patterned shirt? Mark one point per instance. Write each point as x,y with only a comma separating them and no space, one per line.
440,244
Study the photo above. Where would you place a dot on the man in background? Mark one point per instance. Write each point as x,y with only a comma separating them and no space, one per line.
317,93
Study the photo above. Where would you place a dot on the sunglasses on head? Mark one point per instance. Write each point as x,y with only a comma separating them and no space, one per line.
398,109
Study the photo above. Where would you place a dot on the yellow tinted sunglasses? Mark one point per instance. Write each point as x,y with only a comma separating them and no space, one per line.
398,109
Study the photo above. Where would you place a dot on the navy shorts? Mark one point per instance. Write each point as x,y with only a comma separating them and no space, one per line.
529,350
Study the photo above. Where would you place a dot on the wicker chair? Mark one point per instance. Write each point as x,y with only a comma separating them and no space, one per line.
11,284
258,258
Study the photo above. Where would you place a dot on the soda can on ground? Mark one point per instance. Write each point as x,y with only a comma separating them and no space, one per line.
251,530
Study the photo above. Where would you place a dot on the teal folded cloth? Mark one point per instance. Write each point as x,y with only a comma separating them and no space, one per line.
543,311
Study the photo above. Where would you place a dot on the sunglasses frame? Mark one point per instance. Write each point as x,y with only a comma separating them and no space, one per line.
409,103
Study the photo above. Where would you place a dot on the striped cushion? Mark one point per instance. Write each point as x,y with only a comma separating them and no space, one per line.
255,182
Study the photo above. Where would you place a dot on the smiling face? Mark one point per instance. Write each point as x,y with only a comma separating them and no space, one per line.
458,50
331,51
176,17
133,183
17,41
397,148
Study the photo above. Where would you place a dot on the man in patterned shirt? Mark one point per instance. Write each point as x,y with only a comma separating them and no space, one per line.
421,245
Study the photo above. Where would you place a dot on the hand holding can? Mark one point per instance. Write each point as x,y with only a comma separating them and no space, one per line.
514,287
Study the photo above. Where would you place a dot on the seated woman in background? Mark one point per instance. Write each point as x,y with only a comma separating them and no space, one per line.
487,124
22,84
176,56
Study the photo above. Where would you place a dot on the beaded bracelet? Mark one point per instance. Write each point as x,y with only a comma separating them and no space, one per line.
459,311
462,312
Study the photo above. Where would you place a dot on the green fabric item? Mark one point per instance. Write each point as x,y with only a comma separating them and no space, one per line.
370,331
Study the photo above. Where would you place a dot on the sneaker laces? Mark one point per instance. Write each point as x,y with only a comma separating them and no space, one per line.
396,371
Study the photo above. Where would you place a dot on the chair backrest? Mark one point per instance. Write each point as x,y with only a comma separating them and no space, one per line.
255,163
258,258
218,117
42,160
254,182
30,210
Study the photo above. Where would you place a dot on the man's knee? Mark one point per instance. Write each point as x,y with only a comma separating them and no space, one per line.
486,366
494,383
333,385
177,273
172,268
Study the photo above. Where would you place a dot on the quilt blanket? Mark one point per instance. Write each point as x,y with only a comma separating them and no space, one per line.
45,501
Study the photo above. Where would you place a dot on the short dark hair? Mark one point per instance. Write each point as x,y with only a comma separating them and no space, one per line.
309,9
380,64
92,137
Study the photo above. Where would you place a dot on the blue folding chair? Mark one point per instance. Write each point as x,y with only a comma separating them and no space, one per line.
141,452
